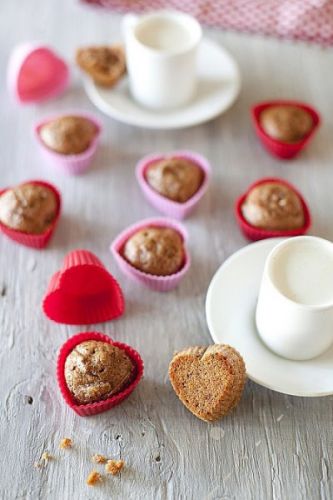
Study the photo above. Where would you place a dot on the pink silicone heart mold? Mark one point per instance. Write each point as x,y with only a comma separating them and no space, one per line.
37,241
69,164
35,73
165,205
85,410
278,148
83,292
157,283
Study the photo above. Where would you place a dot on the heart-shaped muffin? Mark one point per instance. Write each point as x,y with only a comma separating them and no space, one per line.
208,380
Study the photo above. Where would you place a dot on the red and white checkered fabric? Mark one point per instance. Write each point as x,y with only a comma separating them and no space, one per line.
308,20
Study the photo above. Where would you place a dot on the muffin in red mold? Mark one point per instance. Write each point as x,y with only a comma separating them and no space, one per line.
282,148
297,226
30,213
95,407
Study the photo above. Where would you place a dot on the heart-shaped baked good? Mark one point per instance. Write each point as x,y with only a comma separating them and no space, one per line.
83,292
91,369
208,380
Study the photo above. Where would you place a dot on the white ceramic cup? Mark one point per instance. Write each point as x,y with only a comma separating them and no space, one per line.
161,56
294,314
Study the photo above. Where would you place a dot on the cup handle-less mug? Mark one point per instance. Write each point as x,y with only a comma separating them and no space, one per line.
161,79
291,329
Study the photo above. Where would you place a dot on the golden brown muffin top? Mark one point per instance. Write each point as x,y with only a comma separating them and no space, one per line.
30,208
68,135
175,178
286,123
96,370
273,206
155,250
104,64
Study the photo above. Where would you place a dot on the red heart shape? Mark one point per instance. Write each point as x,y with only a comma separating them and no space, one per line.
85,410
278,148
36,72
83,292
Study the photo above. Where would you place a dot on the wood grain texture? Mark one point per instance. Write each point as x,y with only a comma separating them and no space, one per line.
273,446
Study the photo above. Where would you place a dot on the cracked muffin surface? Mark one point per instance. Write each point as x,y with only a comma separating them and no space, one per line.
155,250
273,206
175,178
96,370
30,208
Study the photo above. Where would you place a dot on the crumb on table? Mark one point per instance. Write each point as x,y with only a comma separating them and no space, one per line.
44,460
98,459
94,478
66,443
114,466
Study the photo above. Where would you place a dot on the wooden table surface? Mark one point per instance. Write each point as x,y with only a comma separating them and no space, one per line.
273,446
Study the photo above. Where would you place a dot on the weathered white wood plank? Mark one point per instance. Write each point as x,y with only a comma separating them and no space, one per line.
273,446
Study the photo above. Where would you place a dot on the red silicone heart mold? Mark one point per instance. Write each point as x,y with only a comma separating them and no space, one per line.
38,241
85,410
36,73
255,233
277,148
83,292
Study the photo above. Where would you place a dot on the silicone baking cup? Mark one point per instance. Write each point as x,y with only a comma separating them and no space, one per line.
38,241
277,148
69,164
157,283
254,233
163,204
85,410
36,73
83,292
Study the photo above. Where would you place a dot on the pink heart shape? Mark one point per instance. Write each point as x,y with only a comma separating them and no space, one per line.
36,73
83,292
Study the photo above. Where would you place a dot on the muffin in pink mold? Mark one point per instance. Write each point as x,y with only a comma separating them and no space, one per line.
174,183
153,252
68,142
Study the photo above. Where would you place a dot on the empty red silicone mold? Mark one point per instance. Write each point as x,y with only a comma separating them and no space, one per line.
85,410
70,164
34,240
157,283
254,233
83,292
35,73
162,203
277,148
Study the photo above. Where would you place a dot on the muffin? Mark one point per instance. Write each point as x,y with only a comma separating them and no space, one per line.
68,135
209,380
96,370
175,178
273,206
30,208
155,250
286,123
104,64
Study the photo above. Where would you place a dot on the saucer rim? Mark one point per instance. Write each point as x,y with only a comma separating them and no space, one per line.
131,119
241,252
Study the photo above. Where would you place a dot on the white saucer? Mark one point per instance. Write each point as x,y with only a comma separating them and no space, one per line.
219,85
230,307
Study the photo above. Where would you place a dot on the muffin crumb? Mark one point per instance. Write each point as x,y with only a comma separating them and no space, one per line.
99,459
66,443
114,466
44,460
94,478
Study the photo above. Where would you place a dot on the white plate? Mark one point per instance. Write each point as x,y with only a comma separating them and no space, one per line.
219,85
230,306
